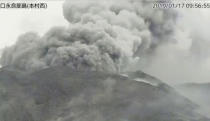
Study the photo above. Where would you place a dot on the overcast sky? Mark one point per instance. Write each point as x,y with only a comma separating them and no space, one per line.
192,24
18,21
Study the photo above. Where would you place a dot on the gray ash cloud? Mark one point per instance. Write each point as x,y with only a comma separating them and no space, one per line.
102,35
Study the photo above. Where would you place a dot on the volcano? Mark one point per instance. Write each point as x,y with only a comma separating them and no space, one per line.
62,94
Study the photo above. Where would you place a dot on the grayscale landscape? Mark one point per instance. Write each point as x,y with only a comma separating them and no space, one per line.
115,60
63,94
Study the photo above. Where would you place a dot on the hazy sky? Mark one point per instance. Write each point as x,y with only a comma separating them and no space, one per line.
171,63
18,21
187,60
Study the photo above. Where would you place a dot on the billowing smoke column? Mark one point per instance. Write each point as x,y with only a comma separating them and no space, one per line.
102,35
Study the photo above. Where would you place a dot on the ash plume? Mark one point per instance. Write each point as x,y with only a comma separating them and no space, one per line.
102,35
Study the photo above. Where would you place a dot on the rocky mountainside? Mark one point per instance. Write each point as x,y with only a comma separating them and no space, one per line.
62,94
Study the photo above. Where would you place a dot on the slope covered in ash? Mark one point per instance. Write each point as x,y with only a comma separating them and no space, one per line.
63,94
198,93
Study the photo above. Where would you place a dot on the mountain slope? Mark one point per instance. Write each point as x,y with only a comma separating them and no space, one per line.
198,93
62,94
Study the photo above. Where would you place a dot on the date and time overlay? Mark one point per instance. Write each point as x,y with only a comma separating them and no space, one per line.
175,4
155,4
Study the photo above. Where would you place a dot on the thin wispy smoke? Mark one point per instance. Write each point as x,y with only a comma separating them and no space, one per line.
102,35
186,59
